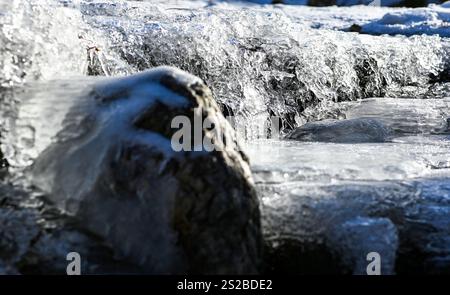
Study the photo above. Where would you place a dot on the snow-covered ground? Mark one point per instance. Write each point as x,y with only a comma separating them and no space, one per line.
377,20
434,19
337,2
370,17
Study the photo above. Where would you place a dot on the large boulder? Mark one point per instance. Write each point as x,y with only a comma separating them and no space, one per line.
113,167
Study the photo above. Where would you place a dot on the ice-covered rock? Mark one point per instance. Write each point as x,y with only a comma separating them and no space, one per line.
35,238
342,131
112,166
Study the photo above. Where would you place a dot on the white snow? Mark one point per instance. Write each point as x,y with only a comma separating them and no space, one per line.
431,20
338,2
375,18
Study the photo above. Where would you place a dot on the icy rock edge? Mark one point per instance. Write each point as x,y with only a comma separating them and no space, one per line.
169,212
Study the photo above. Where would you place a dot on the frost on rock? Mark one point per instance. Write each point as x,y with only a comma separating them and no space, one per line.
112,166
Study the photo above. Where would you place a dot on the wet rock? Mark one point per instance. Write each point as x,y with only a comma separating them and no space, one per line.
7,269
167,211
322,2
3,161
342,131
35,238
3,165
48,253
356,238
446,128
17,232
355,28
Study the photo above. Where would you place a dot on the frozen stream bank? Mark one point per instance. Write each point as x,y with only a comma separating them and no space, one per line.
323,205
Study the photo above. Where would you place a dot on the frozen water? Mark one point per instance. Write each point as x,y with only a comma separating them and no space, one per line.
261,61
315,193
37,40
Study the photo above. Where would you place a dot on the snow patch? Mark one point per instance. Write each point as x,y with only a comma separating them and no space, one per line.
431,20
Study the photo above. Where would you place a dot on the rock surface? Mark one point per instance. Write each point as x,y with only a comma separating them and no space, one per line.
3,163
16,235
355,239
342,131
169,212
35,238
